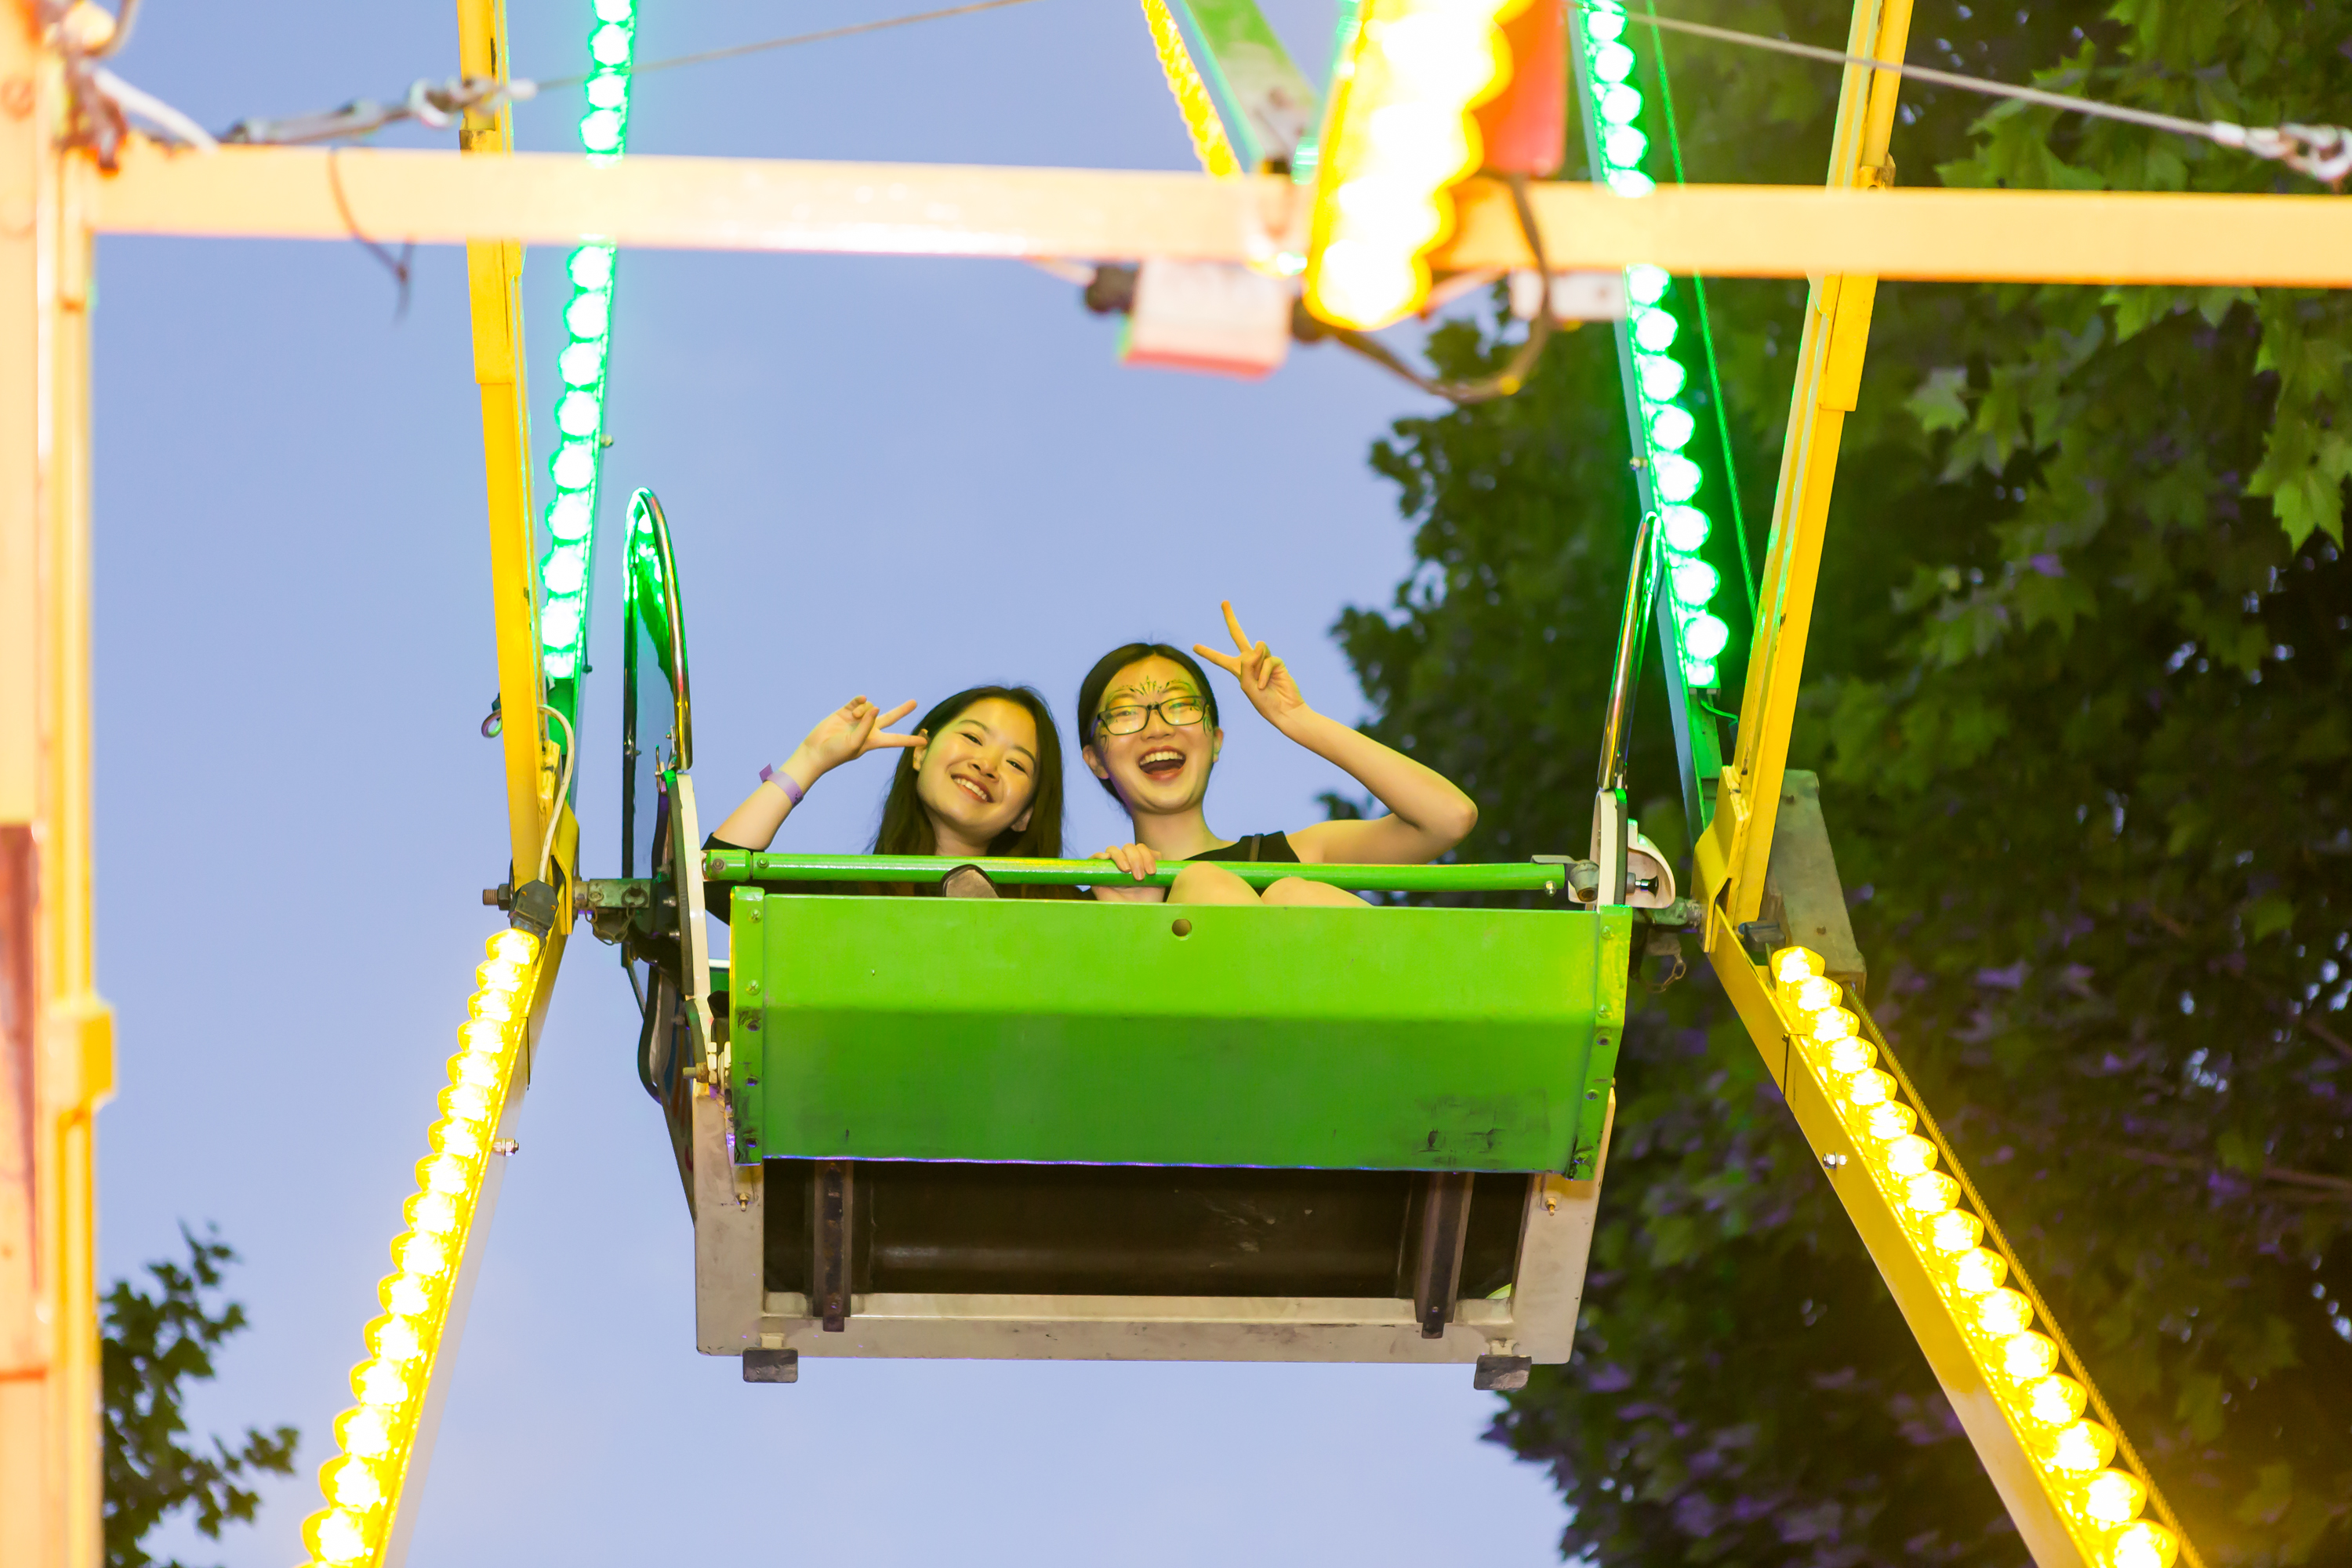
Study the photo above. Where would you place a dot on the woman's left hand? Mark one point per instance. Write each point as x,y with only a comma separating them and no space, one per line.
1265,679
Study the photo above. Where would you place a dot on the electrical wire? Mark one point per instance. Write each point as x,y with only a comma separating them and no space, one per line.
2322,152
733,50
563,788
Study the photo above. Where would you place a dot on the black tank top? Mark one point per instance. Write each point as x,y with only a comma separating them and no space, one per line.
1253,846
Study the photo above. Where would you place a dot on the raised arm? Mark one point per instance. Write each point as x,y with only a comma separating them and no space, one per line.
1428,814
846,733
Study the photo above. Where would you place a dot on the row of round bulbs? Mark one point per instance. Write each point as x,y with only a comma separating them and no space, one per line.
1668,428
1405,135
2044,1405
375,1436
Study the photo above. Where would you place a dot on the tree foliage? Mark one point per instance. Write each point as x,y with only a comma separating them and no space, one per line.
155,1346
2075,687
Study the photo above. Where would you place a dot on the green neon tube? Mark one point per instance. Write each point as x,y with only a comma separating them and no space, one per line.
744,866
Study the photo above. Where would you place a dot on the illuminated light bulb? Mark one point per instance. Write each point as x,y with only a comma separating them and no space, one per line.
591,266
1631,183
382,1383
2027,1356
1604,26
616,10
1706,635
1661,379
444,1173
1979,1270
1696,672
1620,104
607,90
1795,966
1695,581
2113,1497
422,1256
581,364
1832,1024
504,973
569,515
433,1213
1930,1194
2143,1545
2080,1448
397,1339
1653,330
1850,1056
1672,429
1677,479
341,1537
1623,146
1434,55
1888,1121
1686,527
1364,285
460,1138
465,1102
404,1295
366,1432
2055,1401
574,466
1390,211
1817,992
566,572
576,413
589,315
600,130
610,44
353,1484
1613,62
1955,1232
1864,1090
559,621
475,1068
2002,1313
1909,1155
483,1034
495,1004
559,663
1427,142
511,946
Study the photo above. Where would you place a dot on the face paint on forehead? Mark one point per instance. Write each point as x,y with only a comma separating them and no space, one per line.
1150,687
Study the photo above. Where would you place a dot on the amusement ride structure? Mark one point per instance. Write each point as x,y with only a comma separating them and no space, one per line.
1415,1109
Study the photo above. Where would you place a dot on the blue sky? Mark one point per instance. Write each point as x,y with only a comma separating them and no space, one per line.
896,477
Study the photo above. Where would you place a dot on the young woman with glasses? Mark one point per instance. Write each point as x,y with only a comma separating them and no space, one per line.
1150,725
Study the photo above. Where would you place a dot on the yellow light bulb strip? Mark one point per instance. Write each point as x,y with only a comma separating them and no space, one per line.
1201,121
1398,135
2007,1328
375,1439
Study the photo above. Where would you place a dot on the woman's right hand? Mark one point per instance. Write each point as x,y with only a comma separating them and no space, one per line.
1138,861
846,734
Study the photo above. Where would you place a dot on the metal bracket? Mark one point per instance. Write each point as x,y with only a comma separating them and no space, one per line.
829,1278
1444,1228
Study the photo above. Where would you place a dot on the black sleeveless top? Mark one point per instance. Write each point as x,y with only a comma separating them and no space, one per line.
1253,846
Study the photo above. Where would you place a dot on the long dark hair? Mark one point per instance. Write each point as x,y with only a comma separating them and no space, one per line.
1097,681
907,828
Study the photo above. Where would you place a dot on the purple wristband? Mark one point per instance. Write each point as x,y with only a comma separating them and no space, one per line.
782,781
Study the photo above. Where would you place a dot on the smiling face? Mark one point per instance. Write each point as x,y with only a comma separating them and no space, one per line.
978,777
1163,769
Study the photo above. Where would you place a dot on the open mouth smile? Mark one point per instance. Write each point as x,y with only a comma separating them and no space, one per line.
1161,762
974,788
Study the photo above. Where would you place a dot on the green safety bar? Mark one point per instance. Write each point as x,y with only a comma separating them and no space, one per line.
746,866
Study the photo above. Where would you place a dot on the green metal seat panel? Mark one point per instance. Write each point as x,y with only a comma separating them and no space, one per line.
1037,1030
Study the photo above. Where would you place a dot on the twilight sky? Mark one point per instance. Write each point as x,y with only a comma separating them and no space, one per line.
895,477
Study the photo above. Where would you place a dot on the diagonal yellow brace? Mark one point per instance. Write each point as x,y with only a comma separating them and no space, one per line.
493,275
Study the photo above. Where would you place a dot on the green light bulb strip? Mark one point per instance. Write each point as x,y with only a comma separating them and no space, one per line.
1663,425
567,567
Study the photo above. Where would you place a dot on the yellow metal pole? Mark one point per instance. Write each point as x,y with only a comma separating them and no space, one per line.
1732,853
493,275
56,1040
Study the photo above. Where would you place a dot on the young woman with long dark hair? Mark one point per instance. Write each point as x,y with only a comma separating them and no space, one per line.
1150,725
980,775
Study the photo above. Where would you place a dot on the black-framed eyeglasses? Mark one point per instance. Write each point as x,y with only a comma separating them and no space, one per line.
1129,718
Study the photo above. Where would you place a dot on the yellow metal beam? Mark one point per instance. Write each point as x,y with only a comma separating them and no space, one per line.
56,1037
494,276
742,203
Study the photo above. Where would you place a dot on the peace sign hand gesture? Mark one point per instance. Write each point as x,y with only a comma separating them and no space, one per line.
1265,679
848,733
